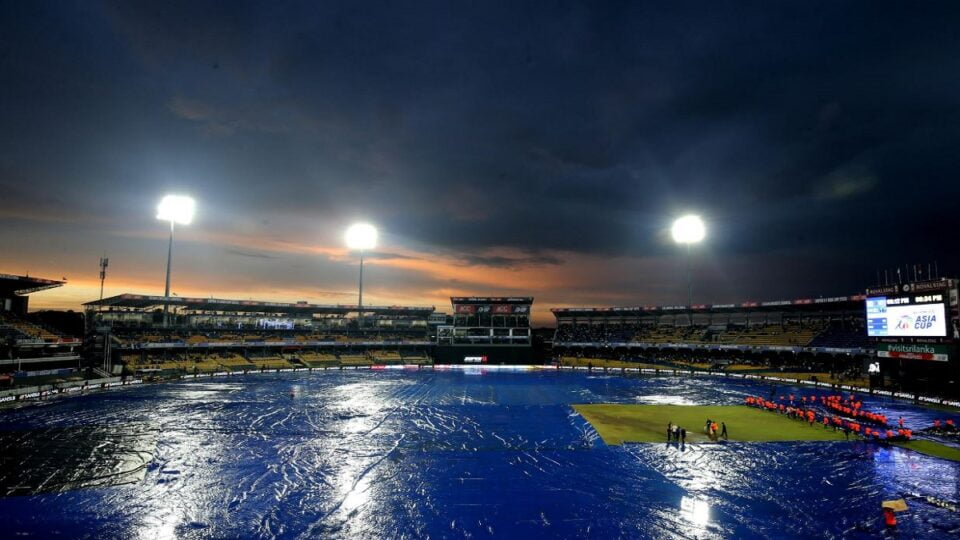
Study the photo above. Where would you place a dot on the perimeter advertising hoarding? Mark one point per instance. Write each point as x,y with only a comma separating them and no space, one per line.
910,315
914,351
496,309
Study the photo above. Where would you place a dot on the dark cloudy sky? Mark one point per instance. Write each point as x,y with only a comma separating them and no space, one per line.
501,147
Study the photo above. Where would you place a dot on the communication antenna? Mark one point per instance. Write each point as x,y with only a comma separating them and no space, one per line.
104,262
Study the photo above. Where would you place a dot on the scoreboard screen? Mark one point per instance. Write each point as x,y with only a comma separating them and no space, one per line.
919,315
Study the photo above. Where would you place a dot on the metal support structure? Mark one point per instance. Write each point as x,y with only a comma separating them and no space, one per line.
166,291
689,282
106,352
360,299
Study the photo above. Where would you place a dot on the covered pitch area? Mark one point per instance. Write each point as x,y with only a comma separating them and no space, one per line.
455,451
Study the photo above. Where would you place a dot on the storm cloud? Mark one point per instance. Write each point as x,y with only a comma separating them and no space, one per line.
817,139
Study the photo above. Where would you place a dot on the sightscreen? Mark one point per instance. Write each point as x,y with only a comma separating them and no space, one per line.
907,316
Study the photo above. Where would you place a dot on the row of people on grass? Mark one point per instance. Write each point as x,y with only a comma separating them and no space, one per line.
854,408
849,407
838,423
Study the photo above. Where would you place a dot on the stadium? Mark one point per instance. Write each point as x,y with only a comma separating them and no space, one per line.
226,418
460,270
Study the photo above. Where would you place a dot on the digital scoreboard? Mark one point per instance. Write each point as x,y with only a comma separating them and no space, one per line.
907,315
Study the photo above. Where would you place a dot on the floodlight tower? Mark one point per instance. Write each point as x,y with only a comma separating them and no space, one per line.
175,209
361,237
688,230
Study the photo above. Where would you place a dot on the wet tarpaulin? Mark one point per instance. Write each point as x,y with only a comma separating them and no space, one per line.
46,460
456,454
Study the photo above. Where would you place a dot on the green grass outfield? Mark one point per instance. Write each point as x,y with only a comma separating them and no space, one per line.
931,448
618,423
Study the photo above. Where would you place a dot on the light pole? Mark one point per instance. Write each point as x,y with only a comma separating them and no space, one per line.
361,237
175,209
688,230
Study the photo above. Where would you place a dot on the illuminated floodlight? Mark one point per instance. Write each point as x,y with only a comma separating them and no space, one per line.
176,209
688,230
361,236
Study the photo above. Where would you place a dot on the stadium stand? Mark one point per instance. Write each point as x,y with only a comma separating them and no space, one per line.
269,361
414,358
821,339
386,357
355,359
824,335
319,359
30,351
214,334
842,334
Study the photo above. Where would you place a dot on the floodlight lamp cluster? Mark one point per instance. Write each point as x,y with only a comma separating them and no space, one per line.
176,209
688,230
361,237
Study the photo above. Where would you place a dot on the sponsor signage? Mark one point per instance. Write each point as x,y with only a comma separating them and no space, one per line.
831,300
503,309
914,351
921,286
926,286
880,291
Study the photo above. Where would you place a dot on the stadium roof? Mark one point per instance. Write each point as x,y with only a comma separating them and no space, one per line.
140,301
19,285
811,304
491,300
